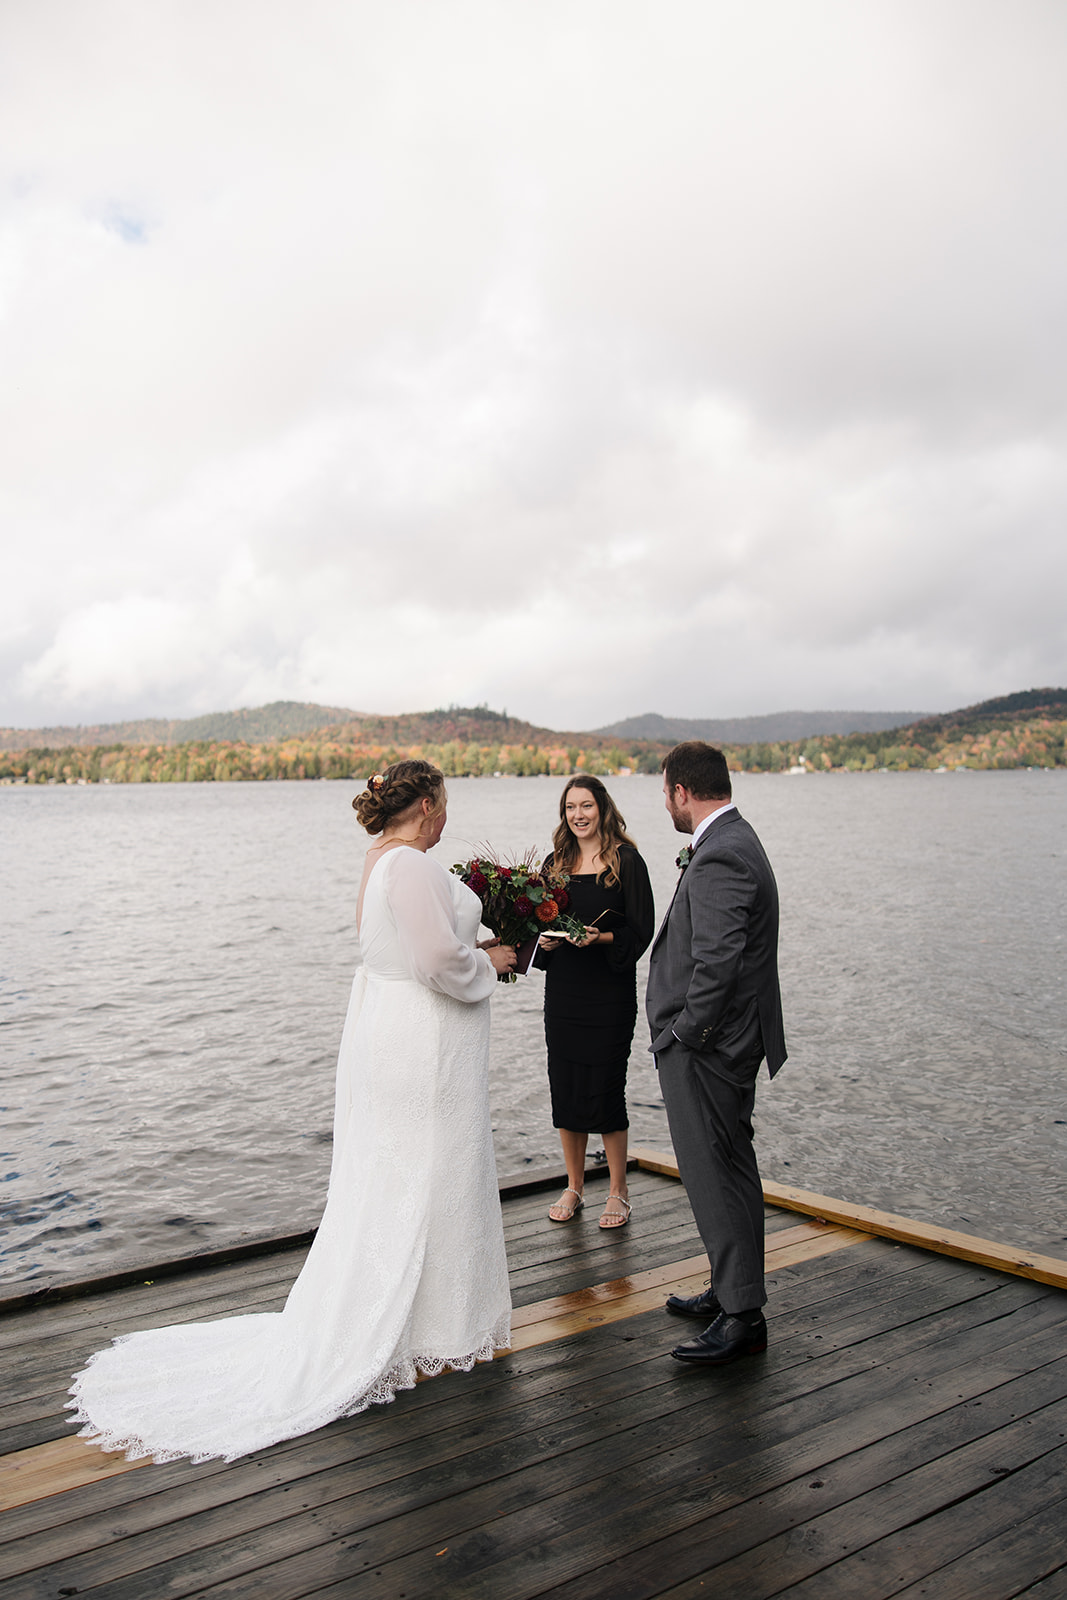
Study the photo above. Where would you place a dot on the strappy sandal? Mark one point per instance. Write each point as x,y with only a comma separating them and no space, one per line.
567,1216
615,1219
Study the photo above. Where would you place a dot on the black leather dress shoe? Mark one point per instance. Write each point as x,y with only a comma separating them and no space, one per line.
727,1339
705,1306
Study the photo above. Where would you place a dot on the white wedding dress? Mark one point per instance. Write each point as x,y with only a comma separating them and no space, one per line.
407,1272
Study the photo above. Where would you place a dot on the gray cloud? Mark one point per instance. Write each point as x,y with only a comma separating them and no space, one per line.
582,358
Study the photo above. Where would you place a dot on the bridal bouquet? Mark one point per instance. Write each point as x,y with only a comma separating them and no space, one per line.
519,900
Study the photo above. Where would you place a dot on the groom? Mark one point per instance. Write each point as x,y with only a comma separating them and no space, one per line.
715,1011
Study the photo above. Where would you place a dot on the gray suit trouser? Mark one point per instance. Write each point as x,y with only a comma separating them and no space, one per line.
709,1112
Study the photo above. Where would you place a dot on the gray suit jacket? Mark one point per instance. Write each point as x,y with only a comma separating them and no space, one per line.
713,971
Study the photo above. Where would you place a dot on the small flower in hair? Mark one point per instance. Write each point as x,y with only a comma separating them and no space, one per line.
684,857
376,782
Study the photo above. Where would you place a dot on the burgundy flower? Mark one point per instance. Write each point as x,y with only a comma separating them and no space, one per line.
478,883
523,906
563,899
505,872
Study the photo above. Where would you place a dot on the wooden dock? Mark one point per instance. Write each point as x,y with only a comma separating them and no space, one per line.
904,1435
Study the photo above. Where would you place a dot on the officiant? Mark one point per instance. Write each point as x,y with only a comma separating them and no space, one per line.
591,988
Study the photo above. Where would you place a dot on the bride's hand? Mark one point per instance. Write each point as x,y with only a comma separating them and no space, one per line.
503,957
487,944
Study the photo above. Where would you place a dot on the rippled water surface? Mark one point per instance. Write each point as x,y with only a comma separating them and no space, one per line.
176,962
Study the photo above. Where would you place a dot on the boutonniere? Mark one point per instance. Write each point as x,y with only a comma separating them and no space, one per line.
684,857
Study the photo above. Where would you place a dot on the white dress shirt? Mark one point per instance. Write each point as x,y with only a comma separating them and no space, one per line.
702,827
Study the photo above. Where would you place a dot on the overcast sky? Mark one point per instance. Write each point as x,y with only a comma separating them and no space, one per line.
583,357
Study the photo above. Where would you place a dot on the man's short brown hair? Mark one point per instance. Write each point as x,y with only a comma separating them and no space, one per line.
700,768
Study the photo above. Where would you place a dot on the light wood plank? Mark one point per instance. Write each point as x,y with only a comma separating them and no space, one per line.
692,1275
49,1469
886,1225
667,1276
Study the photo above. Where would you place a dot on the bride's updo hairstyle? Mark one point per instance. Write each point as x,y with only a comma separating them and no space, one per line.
391,793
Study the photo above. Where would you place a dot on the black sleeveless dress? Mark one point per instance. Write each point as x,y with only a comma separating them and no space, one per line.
591,999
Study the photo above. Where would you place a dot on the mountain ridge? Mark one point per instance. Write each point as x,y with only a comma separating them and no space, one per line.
287,719
750,730
279,719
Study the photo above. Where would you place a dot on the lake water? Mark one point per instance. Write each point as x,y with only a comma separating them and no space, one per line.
176,962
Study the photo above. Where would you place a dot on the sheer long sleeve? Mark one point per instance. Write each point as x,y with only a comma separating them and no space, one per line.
420,898
633,937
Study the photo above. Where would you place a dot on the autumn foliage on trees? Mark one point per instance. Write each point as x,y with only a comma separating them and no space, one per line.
1024,730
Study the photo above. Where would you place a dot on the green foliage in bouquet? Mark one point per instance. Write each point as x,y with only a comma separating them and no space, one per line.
519,900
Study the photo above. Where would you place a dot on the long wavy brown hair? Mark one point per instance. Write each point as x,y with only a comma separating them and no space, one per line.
566,851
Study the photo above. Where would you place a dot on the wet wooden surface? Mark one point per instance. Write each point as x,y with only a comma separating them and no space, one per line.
905,1434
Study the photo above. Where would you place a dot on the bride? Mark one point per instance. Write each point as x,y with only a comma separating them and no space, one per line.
407,1272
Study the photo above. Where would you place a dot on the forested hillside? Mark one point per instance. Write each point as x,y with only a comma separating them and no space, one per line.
1021,730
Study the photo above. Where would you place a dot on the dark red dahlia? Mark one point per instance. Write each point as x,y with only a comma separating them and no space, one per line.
505,872
563,899
523,906
478,883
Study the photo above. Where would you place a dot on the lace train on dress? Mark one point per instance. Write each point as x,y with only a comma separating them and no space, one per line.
407,1272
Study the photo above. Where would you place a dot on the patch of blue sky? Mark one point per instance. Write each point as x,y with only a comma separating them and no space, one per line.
130,228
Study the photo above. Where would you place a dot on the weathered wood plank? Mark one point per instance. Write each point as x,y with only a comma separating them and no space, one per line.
583,1263
912,1309
151,1304
1054,1587
739,1531
583,1256
181,1307
516,1531
754,1549
36,1421
781,1248
684,1416
652,1198
514,1191
546,1370
892,1376
27,1366
886,1225
541,1241
948,1552
798,1287
54,1468
416,1431
336,1518
255,1268
804,1556
662,1207
596,1308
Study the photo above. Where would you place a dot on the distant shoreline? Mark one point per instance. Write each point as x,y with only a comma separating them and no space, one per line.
290,741
248,764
